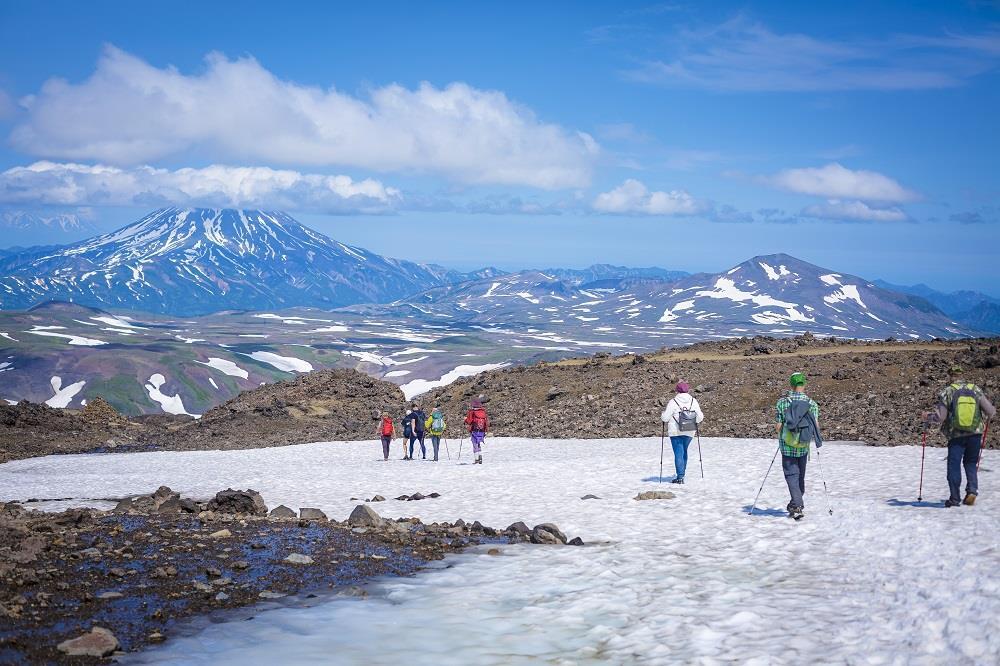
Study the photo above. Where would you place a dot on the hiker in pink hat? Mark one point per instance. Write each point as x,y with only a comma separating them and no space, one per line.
682,416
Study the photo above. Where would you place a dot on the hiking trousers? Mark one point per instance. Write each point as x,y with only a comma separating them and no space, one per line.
963,452
794,469
386,441
680,444
418,437
436,443
477,437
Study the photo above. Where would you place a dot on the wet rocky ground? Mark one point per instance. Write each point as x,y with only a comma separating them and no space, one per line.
81,586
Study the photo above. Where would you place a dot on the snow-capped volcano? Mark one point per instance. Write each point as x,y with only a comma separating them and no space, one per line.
197,261
779,292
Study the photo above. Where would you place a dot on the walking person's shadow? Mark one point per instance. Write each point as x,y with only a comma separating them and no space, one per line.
772,513
923,504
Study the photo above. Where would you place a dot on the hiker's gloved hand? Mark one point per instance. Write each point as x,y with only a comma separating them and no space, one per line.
819,444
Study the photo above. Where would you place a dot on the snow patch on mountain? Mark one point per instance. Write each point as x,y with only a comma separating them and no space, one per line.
63,394
225,366
75,340
847,292
420,386
284,363
171,404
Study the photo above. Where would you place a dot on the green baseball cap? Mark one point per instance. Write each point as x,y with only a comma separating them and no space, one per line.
797,379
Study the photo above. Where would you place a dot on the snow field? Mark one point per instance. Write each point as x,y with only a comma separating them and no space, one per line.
688,580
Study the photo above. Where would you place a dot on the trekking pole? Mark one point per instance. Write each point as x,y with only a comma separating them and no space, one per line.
773,458
982,443
446,450
822,478
923,452
663,433
697,432
460,447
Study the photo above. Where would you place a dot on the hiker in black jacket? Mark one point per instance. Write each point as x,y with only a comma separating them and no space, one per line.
418,419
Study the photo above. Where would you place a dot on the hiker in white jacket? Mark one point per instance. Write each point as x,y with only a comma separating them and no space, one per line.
677,417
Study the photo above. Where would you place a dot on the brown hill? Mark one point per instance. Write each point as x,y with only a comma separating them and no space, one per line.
868,391
318,406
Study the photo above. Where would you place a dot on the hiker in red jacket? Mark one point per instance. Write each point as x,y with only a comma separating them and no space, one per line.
478,423
386,430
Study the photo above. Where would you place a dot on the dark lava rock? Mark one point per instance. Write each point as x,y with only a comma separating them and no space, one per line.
311,514
364,516
282,511
238,502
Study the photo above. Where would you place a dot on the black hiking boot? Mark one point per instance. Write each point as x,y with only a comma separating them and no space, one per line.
950,502
970,499
678,480
795,512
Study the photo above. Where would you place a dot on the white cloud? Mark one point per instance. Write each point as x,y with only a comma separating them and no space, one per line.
632,197
48,183
130,112
744,55
837,182
857,211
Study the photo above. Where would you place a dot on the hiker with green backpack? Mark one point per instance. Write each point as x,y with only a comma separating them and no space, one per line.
436,425
959,411
798,427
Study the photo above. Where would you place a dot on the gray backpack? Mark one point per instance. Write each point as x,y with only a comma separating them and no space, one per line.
687,418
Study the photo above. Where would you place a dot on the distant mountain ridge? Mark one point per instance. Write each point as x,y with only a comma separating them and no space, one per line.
970,308
773,294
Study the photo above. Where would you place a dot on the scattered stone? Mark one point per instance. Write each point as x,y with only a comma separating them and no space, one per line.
518,528
98,643
221,596
268,594
92,553
550,529
202,587
575,541
238,502
282,511
222,582
221,534
299,558
311,514
376,498
589,497
110,595
494,551
212,572
156,637
364,516
240,565
654,495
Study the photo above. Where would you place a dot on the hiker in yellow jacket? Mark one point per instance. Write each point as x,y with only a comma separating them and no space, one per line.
435,425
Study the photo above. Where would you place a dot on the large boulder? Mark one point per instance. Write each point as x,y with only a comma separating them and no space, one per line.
238,502
98,643
547,533
282,511
307,513
364,516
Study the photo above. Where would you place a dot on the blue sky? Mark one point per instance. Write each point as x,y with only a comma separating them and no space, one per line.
857,135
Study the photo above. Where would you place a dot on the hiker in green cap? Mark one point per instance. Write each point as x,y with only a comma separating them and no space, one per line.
963,413
798,426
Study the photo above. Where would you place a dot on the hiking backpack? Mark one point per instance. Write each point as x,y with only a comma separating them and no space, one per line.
797,429
437,422
478,420
965,413
387,427
686,418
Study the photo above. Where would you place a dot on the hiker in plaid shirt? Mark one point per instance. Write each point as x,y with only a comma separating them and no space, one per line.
798,419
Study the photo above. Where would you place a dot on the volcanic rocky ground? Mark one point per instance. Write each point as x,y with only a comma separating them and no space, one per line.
81,583
868,391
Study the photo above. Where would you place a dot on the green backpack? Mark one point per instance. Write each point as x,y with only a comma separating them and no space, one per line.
965,413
